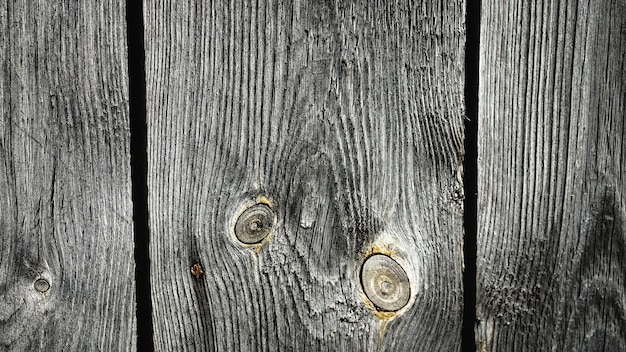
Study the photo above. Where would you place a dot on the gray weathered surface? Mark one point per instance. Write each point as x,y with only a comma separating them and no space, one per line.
347,118
552,176
65,200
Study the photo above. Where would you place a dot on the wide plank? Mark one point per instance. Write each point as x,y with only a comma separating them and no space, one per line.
335,127
66,242
551,270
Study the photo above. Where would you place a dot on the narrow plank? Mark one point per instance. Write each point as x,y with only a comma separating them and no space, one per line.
66,248
344,120
552,176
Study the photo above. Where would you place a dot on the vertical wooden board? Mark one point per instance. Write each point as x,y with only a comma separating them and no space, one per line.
552,176
65,200
346,119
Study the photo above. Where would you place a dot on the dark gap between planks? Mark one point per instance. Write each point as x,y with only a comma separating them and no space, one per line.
139,169
470,181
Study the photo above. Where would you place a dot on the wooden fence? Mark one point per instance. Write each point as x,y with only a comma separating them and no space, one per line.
298,174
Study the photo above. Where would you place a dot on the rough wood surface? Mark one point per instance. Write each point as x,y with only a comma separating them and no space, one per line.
346,118
65,200
552,176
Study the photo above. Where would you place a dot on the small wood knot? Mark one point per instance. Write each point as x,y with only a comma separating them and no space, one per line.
42,285
385,283
196,270
255,223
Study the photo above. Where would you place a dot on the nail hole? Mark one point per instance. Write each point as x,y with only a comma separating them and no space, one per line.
196,270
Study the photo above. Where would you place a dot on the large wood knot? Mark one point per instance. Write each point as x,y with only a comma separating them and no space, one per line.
255,223
385,283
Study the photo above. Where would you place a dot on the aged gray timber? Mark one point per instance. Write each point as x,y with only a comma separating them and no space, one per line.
552,176
345,118
66,241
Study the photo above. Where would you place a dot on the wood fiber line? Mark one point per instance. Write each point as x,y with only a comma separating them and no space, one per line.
65,191
347,118
551,265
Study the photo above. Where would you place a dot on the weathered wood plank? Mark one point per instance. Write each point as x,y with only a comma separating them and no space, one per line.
65,200
345,119
552,176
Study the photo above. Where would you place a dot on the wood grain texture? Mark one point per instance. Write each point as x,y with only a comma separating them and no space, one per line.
552,176
65,200
346,117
